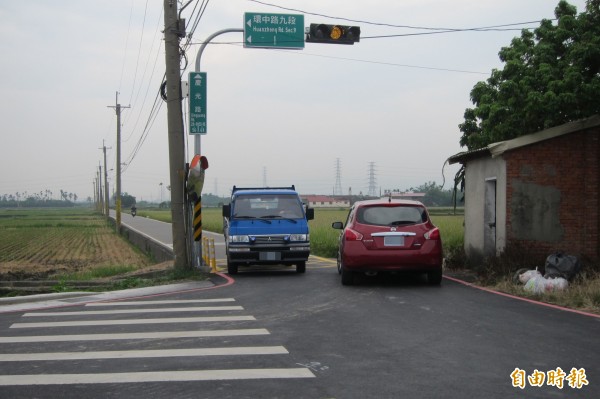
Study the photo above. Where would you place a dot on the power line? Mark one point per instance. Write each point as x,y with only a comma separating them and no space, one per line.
444,30
126,45
137,62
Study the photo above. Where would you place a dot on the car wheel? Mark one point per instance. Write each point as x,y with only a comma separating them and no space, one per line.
347,277
232,268
434,278
300,267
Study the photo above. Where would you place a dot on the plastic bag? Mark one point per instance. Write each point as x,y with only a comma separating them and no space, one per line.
542,285
528,275
562,265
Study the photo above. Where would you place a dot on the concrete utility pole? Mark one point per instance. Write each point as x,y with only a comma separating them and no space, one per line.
100,202
106,195
173,35
118,108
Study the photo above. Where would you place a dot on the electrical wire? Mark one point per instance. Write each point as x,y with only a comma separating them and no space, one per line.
137,62
126,45
446,30
144,75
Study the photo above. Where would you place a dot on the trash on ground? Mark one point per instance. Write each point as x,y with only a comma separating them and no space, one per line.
562,265
535,283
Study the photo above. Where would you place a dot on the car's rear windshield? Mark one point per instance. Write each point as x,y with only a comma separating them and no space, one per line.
268,206
391,215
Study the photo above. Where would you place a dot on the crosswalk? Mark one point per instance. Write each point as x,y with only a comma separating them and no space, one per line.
147,336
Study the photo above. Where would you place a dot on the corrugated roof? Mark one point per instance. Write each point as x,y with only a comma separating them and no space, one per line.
498,148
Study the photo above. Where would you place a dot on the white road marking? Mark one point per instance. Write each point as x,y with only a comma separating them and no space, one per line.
165,302
140,335
155,376
134,354
171,320
129,311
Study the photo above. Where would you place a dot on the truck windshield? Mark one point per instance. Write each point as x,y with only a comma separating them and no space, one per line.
267,206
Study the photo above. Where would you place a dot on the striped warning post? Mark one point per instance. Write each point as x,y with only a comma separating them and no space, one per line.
198,221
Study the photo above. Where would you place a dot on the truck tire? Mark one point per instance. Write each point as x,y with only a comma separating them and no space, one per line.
300,267
232,268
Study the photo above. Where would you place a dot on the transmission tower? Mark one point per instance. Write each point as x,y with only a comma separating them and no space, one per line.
337,189
372,180
264,176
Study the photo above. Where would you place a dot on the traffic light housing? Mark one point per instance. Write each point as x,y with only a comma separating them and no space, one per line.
334,34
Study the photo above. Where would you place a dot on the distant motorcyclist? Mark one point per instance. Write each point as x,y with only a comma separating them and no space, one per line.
133,211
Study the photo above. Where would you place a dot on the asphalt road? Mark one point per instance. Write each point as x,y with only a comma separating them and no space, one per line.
301,336
279,334
163,233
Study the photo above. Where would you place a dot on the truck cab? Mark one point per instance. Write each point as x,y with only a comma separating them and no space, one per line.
266,226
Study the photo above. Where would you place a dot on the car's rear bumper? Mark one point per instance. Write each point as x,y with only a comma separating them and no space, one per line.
425,259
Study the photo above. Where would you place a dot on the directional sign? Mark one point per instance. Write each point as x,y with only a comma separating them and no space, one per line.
274,30
197,102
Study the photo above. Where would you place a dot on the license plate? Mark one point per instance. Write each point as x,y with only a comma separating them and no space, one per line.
393,241
270,256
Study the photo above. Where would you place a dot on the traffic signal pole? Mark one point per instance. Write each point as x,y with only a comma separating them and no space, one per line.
197,143
195,216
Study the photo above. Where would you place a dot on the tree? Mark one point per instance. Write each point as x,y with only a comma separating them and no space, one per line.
127,200
434,194
551,76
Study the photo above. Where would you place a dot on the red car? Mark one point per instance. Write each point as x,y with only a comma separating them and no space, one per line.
388,235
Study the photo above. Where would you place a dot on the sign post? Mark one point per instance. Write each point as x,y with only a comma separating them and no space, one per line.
264,30
197,102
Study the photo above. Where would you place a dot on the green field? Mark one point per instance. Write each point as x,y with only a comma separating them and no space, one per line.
49,241
323,238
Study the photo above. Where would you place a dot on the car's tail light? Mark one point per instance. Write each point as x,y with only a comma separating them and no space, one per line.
433,234
351,235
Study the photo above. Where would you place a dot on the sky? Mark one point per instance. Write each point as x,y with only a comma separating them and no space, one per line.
386,109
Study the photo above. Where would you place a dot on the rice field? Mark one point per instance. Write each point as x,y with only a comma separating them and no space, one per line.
40,242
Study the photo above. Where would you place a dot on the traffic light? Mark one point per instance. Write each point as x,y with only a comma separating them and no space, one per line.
336,34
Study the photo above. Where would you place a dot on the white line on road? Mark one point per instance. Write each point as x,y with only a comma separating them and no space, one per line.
171,320
129,311
134,354
139,335
166,302
154,376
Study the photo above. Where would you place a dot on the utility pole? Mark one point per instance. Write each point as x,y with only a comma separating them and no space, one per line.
173,34
95,192
106,195
118,108
100,202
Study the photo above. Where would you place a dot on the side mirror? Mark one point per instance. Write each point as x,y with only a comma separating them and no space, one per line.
337,225
310,213
226,210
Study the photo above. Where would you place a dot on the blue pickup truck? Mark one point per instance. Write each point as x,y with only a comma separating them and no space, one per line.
266,226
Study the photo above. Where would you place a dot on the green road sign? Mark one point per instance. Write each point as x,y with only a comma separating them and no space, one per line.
274,30
197,102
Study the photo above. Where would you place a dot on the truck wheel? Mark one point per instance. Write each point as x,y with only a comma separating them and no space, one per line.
232,268
300,267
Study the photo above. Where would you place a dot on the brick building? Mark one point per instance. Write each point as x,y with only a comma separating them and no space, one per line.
539,191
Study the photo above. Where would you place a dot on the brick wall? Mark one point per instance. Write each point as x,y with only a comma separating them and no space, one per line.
570,164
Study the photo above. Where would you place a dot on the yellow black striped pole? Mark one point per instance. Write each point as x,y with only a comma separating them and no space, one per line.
198,220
